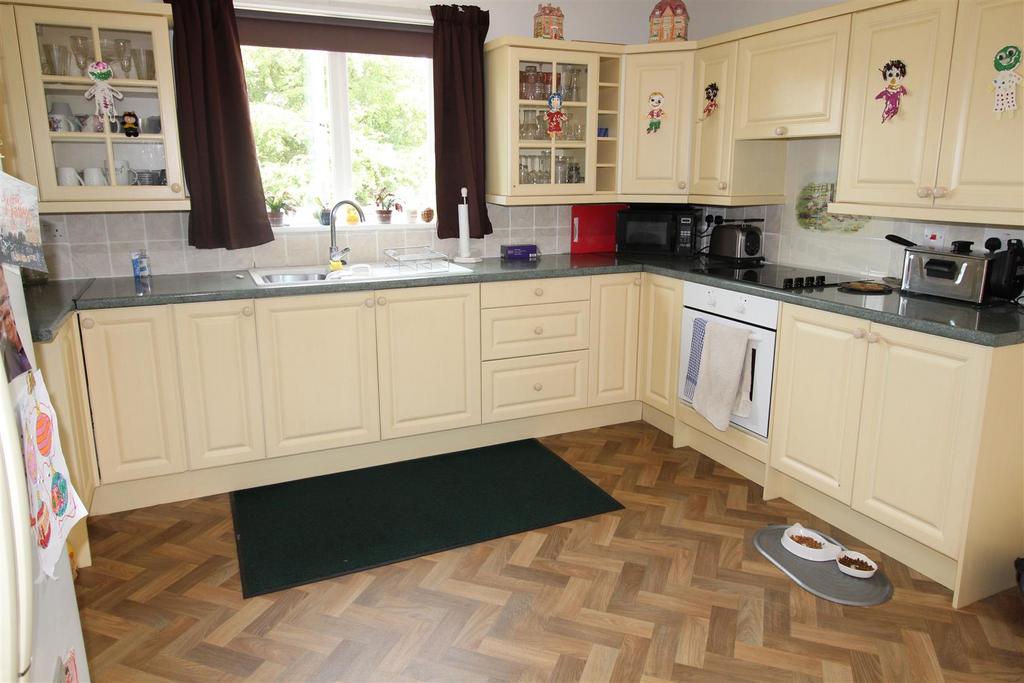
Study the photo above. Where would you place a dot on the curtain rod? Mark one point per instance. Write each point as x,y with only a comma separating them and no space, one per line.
356,15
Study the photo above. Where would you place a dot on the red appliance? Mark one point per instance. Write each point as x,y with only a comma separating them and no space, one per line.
593,228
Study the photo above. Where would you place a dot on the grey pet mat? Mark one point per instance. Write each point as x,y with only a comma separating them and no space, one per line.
822,578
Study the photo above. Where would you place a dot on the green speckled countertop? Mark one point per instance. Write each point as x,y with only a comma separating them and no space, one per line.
998,325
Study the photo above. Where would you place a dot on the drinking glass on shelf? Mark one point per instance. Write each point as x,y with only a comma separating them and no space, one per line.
123,48
56,59
145,67
528,88
82,49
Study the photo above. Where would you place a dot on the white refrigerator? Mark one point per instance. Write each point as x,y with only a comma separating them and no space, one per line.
39,624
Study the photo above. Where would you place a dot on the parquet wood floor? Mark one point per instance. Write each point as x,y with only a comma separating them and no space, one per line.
668,589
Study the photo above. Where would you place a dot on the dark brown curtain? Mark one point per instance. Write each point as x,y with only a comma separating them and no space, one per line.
459,33
217,147
333,34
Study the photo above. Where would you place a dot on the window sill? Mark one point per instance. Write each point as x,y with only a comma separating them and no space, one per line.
345,227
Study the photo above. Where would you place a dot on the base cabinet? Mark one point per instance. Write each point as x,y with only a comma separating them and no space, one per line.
132,364
534,385
614,338
428,360
661,314
318,366
220,380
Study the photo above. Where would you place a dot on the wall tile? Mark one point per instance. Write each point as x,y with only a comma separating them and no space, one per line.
235,259
521,217
86,228
201,260
271,254
121,256
545,216
364,247
547,240
166,257
126,227
164,226
499,215
90,260
302,250
563,215
58,261
53,228
523,236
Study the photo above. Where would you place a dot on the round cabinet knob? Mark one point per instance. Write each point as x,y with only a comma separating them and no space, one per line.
723,185
940,192
538,330
873,338
781,130
369,302
539,291
538,386
682,184
247,311
924,192
88,323
636,282
175,187
859,333
381,301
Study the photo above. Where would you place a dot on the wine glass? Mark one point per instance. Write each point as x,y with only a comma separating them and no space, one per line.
123,49
81,48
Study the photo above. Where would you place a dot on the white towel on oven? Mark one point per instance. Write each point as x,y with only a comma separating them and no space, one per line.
722,369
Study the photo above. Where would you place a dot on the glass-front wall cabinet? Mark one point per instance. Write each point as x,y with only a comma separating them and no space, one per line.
556,117
81,154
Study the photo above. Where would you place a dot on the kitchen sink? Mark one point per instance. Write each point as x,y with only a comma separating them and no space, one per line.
298,276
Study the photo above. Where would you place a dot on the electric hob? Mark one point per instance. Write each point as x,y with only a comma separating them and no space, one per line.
775,276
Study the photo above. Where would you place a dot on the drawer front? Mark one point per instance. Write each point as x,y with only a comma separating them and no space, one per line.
541,291
531,330
535,385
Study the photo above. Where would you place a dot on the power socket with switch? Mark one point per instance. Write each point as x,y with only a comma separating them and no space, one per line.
935,238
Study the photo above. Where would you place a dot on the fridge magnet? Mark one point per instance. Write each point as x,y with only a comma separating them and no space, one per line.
51,494
21,242
555,114
549,22
893,73
668,21
16,359
711,100
657,113
101,91
1006,81
130,124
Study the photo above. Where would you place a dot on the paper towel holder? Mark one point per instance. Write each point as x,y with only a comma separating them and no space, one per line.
465,256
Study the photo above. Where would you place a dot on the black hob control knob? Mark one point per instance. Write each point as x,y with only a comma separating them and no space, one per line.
787,283
798,282
819,281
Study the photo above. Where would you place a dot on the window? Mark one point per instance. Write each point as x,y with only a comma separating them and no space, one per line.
335,125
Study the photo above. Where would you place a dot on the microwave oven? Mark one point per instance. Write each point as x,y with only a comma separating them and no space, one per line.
672,230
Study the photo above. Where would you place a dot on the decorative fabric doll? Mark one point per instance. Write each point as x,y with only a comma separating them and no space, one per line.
100,73
892,73
711,95
656,114
130,124
1006,81
555,114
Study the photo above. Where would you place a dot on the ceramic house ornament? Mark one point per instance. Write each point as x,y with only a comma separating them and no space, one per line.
669,21
548,22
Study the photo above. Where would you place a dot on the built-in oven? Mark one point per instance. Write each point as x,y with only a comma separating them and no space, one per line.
704,305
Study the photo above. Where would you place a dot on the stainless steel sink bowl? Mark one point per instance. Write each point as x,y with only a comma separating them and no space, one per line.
363,272
293,278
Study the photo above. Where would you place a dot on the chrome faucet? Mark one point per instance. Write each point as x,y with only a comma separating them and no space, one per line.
336,253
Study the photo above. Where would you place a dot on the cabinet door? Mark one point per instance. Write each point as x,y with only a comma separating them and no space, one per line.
428,358
220,382
790,83
132,366
818,389
982,164
318,369
714,101
661,313
614,331
656,123
920,428
564,163
67,138
894,162
17,149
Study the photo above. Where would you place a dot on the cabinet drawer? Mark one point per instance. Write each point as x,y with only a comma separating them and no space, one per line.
541,291
532,330
535,385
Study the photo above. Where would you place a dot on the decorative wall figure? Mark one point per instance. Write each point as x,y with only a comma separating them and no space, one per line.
893,74
555,115
711,100
1006,81
657,113
100,73
668,21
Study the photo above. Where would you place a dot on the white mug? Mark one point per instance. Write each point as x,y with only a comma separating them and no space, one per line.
123,173
94,176
68,176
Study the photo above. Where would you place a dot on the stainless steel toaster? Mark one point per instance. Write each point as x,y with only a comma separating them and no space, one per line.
741,242
960,274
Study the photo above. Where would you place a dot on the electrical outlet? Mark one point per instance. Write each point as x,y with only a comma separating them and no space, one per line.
935,238
1004,235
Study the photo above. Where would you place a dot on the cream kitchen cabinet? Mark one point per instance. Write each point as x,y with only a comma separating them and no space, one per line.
318,368
790,83
919,429
514,331
534,385
656,150
614,336
661,313
428,358
218,367
818,390
132,366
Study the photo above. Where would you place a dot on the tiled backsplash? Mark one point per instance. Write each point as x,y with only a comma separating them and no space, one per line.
100,245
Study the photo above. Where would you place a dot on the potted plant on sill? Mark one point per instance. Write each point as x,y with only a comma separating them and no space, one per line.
278,204
386,202
322,214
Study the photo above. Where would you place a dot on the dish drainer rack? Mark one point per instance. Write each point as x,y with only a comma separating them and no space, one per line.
416,259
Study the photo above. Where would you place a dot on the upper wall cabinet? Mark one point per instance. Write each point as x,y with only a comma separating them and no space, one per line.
657,116
84,162
923,128
790,83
